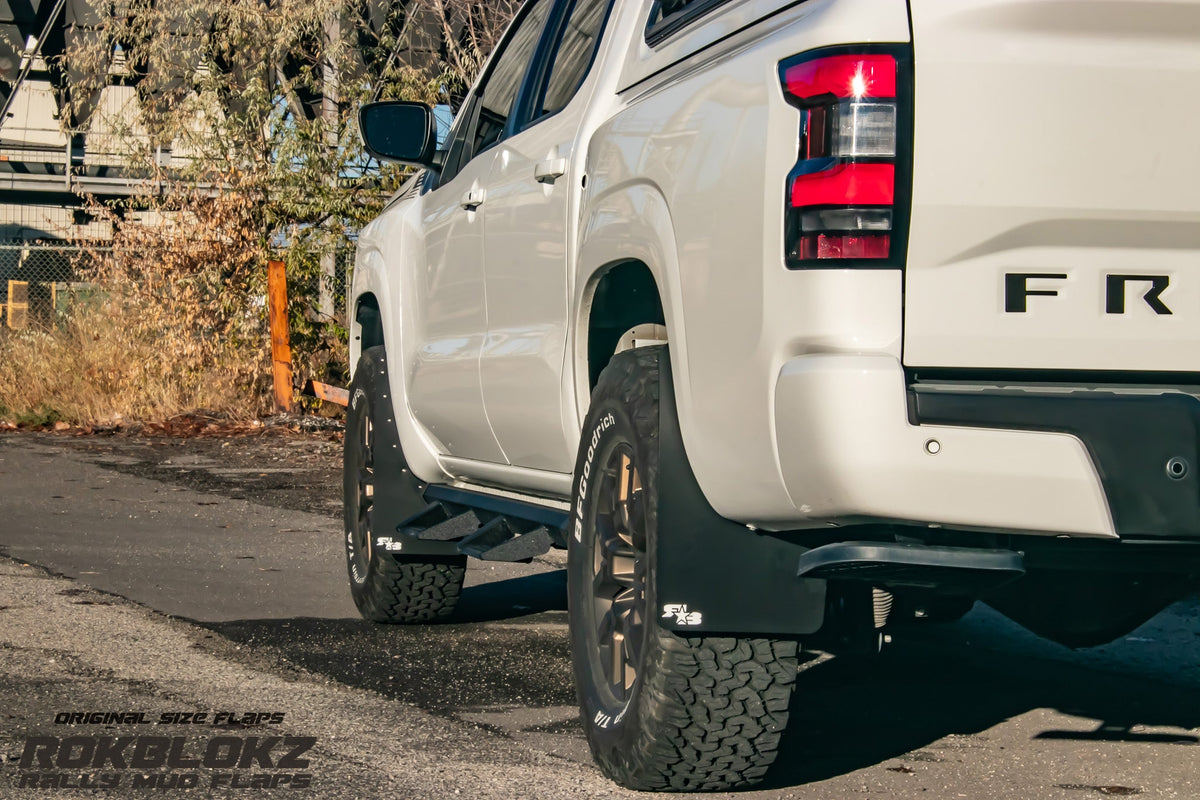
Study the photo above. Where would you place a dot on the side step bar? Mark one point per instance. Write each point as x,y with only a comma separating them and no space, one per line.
486,526
967,569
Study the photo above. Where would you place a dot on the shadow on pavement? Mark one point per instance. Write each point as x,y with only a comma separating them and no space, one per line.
513,598
847,715
505,646
928,698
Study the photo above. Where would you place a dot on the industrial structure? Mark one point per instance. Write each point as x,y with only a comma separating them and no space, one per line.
56,144
42,168
65,136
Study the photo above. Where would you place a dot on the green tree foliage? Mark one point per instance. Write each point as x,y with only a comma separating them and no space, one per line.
245,135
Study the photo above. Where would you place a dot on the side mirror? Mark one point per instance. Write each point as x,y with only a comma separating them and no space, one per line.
398,130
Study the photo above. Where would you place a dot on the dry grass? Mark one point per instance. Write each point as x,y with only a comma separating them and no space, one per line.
175,323
104,363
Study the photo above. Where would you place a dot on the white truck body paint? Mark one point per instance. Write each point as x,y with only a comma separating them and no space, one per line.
1067,154
790,384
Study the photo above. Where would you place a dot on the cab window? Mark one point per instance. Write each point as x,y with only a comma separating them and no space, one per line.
499,93
574,53
669,16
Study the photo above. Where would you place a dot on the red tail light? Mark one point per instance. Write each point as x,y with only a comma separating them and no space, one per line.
841,195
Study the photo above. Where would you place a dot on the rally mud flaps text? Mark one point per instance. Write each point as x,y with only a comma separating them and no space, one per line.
88,761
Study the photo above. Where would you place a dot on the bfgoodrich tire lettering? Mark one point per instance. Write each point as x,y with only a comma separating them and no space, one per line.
386,587
691,713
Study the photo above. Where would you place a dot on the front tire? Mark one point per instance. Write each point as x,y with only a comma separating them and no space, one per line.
386,587
661,711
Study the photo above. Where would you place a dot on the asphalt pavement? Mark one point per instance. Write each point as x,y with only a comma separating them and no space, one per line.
123,594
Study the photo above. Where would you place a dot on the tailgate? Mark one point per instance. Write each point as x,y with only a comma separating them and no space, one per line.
1056,186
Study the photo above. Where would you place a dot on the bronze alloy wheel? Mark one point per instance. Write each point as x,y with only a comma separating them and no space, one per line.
386,584
619,571
661,710
364,466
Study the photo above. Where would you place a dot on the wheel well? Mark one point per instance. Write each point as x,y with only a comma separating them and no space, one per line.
370,322
625,296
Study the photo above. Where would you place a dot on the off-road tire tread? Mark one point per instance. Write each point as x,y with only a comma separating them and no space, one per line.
712,708
403,589
719,706
407,591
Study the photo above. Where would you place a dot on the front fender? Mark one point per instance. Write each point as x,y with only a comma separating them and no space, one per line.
392,240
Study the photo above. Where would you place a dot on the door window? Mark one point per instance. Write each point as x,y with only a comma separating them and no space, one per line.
456,142
500,91
668,16
576,47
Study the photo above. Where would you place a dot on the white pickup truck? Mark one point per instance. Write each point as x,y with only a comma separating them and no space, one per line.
795,322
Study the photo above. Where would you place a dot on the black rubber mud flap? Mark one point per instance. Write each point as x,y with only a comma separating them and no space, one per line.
399,493
714,575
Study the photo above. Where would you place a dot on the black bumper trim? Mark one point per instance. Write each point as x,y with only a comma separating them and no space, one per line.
1131,440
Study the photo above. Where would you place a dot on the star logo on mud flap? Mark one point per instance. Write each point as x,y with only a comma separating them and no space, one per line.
681,614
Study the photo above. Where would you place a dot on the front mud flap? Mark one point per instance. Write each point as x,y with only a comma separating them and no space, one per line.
714,575
399,494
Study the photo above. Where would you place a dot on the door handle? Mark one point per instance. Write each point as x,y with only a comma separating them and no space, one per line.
547,171
472,200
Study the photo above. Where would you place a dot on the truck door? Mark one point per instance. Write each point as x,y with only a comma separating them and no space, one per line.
532,194
1056,186
444,386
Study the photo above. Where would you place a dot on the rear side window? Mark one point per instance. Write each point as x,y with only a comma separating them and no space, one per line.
500,93
581,34
668,16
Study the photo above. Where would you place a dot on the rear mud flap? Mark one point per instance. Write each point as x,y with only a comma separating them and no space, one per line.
714,575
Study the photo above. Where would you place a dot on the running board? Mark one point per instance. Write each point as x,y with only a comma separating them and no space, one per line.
964,570
486,526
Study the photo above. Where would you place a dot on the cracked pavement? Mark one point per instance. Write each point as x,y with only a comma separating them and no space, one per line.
128,586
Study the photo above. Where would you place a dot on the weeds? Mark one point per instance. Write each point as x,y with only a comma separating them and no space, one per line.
245,141
176,323
108,363
41,417
173,320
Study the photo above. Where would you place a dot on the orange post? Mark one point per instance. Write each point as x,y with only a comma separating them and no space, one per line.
281,350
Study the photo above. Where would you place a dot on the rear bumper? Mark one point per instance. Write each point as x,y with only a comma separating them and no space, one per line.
849,453
848,447
1145,444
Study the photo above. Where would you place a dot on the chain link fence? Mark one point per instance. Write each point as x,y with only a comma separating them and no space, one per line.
38,280
323,278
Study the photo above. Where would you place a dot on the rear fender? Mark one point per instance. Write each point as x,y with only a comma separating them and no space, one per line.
628,223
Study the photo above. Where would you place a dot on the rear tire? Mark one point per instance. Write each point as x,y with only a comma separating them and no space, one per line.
386,587
661,711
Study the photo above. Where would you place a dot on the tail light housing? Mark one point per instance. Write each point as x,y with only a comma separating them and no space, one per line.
847,196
